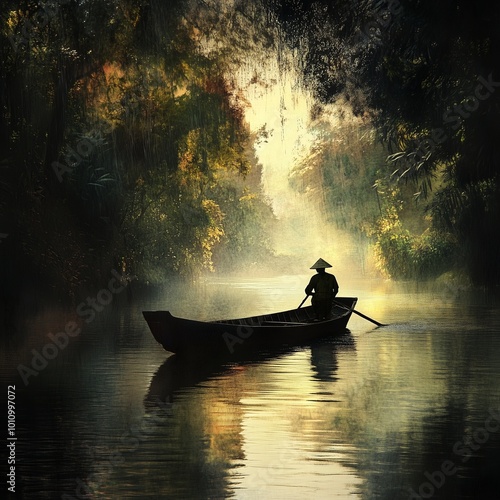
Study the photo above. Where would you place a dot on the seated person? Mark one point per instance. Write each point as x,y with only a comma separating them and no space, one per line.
323,287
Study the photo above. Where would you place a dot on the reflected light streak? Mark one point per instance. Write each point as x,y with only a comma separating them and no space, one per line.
307,457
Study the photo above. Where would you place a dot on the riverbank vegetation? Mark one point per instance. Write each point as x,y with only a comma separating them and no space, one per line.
124,146
124,143
426,75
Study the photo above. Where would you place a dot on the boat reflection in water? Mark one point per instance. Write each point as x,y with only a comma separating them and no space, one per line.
367,415
182,372
226,411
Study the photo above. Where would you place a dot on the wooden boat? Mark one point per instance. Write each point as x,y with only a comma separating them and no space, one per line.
233,336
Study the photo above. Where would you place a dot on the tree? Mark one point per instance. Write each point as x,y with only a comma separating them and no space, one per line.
427,73
119,118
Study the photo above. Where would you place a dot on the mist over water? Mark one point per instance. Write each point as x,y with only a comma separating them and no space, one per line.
283,108
362,416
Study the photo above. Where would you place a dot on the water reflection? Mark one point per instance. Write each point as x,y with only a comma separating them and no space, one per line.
324,360
372,414
180,372
246,405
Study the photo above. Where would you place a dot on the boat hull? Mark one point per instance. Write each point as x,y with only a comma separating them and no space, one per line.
231,337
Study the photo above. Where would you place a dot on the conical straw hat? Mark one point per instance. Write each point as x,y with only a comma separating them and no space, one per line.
320,264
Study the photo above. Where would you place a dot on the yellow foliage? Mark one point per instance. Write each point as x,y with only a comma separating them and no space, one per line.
214,231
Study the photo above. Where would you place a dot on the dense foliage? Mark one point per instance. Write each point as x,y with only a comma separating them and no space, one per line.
123,143
427,74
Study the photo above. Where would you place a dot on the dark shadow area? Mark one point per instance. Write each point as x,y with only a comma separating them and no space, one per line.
460,458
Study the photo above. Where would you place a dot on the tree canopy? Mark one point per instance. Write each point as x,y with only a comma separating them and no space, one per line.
125,145
427,74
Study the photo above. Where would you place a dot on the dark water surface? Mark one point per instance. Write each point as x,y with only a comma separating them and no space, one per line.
410,410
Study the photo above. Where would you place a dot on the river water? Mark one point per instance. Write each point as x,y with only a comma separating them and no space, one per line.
408,410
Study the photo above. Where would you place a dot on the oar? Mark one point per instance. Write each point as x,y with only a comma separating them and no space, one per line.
302,302
359,314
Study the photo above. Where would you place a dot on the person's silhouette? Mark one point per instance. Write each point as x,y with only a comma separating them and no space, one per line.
323,287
